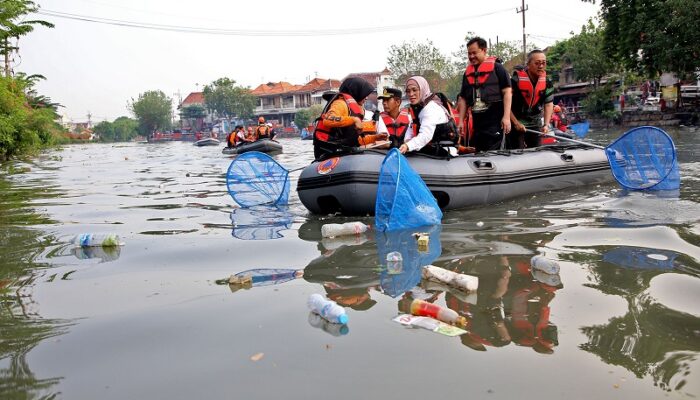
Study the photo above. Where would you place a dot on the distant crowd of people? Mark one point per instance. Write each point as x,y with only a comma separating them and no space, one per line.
240,135
494,111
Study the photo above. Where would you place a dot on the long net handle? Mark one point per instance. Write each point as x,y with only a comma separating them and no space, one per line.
566,139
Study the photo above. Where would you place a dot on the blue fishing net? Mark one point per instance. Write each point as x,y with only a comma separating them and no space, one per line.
254,178
403,199
580,129
400,277
644,158
641,257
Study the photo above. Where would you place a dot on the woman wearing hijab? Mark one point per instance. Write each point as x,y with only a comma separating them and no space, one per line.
432,122
342,120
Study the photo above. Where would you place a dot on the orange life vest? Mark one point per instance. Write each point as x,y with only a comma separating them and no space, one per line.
532,95
483,79
262,131
325,134
396,127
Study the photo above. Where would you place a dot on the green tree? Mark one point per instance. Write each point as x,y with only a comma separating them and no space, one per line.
229,100
153,110
653,36
104,131
194,115
122,129
302,118
419,58
13,25
587,54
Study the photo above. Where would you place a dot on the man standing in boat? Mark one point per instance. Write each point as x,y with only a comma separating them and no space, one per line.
262,131
394,121
486,91
533,100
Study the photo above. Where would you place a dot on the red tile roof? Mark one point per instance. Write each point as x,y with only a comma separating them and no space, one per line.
319,84
193,98
272,88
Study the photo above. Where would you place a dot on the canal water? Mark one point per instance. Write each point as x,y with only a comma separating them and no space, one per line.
148,319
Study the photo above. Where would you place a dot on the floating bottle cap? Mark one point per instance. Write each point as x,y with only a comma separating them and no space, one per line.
343,319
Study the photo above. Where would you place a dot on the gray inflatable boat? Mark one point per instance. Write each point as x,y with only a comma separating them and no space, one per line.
262,145
348,184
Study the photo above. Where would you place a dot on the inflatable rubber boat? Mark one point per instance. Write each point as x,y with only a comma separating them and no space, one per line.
262,145
348,184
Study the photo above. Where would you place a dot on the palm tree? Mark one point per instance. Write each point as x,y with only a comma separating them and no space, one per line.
11,25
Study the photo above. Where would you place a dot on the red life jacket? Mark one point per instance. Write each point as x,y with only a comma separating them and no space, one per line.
325,134
483,78
532,95
396,127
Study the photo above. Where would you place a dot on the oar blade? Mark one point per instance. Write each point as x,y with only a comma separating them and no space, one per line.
254,178
403,199
644,158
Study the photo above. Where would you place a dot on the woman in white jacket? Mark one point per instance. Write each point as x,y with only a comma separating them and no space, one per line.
431,120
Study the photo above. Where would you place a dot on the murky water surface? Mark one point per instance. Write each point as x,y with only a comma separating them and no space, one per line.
148,320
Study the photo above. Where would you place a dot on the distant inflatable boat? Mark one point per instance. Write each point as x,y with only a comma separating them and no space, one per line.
348,184
262,145
210,141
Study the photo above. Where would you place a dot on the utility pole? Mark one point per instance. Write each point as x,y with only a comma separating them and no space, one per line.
522,9
7,57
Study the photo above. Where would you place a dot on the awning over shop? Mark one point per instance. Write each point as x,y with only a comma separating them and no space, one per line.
573,92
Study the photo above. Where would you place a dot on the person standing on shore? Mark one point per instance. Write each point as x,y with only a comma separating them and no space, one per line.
486,89
533,102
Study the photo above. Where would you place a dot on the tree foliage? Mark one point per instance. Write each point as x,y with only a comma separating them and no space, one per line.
229,100
22,127
414,58
122,129
153,110
586,52
13,25
653,36
303,117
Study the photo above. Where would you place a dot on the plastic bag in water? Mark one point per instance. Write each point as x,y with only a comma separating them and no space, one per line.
403,199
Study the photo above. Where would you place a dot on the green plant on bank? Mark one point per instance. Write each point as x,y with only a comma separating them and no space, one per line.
599,102
122,129
153,109
304,117
23,128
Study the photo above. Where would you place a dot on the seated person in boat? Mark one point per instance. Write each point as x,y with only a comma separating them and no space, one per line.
232,139
250,135
559,119
338,130
533,99
394,121
262,131
433,128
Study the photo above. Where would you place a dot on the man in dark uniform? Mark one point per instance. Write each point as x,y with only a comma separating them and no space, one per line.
532,102
486,91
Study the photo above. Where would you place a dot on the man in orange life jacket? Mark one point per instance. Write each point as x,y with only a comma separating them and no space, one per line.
486,90
262,131
534,96
338,129
394,121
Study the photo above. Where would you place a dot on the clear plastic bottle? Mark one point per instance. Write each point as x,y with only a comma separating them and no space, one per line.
348,228
545,265
394,263
317,321
425,309
328,309
97,240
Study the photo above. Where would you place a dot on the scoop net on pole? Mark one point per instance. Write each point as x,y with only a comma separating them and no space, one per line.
254,178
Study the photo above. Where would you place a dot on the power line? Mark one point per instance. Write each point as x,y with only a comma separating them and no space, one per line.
254,32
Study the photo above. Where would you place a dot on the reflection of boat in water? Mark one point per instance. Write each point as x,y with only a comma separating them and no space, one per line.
105,254
260,222
348,184
262,145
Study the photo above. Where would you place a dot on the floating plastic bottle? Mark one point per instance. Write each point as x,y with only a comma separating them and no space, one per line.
464,282
328,309
545,265
425,309
348,228
319,322
96,240
394,263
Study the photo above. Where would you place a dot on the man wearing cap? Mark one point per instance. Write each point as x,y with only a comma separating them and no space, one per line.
262,131
394,120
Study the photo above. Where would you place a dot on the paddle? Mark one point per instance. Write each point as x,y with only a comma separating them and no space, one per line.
643,158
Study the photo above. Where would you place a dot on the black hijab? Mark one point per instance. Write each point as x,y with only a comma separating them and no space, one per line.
358,88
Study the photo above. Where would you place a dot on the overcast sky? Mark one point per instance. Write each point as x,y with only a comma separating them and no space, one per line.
97,68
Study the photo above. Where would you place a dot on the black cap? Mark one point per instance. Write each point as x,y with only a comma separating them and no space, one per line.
389,93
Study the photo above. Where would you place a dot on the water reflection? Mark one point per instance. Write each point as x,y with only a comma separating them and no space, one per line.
104,254
260,222
640,257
